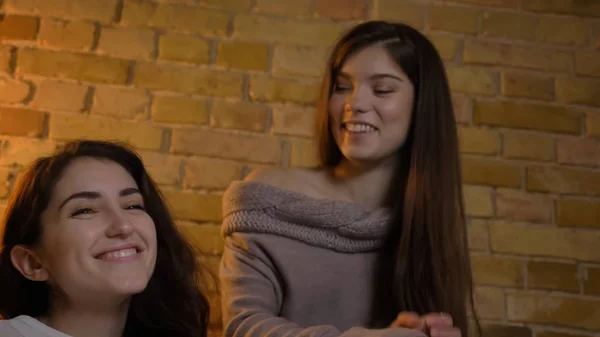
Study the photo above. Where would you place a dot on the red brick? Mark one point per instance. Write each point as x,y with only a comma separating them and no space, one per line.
544,240
275,30
586,63
555,310
21,122
573,212
258,149
179,110
528,86
256,55
6,178
71,35
478,233
563,30
22,151
239,116
488,3
496,54
127,42
272,89
463,108
592,124
478,201
13,91
527,116
578,91
143,136
522,206
5,56
446,45
209,173
480,171
497,271
303,153
596,36
297,8
83,67
18,27
557,334
525,145
188,79
294,120
410,13
298,61
176,17
95,10
472,81
164,169
478,140
591,284
123,103
489,302
235,5
563,180
61,96
575,7
578,151
183,48
454,19
552,276
498,330
194,206
207,238
510,26
342,9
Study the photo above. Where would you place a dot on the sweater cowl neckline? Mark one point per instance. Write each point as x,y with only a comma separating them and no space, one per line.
341,225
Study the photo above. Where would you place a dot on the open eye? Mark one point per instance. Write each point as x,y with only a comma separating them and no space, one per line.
82,211
136,206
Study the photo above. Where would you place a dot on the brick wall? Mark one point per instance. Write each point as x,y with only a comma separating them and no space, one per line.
209,89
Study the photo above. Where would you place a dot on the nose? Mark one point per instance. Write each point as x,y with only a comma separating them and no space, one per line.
358,101
119,225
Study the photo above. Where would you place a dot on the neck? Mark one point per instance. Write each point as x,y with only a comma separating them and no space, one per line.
367,184
86,321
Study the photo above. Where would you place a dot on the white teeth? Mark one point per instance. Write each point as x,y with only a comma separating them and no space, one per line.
359,128
119,254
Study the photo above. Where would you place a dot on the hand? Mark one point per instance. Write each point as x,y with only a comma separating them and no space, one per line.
432,324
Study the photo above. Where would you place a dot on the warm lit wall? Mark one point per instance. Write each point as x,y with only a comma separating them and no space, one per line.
208,89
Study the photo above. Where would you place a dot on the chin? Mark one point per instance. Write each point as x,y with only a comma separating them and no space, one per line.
129,287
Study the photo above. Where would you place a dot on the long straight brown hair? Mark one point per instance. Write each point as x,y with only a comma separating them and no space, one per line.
425,264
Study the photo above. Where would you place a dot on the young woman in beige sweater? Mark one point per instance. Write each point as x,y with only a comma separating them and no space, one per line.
373,242
89,250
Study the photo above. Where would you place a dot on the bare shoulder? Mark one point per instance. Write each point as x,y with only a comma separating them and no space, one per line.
292,179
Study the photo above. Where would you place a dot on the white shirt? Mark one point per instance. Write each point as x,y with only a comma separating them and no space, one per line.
27,326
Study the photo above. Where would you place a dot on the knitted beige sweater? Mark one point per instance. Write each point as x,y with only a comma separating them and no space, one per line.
298,266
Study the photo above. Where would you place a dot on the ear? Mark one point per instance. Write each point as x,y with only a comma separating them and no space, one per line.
28,264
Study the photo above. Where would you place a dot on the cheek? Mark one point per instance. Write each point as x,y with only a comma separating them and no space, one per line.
396,111
336,106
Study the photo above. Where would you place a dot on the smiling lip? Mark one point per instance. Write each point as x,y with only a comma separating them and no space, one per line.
356,127
120,253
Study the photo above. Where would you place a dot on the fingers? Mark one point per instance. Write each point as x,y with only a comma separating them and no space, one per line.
438,320
408,320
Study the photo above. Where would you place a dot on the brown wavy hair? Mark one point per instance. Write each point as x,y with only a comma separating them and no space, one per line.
425,265
172,303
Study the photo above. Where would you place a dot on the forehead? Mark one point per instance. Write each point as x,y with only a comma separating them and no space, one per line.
370,60
91,174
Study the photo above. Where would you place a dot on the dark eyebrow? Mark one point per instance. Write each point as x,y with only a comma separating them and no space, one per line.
96,195
372,77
